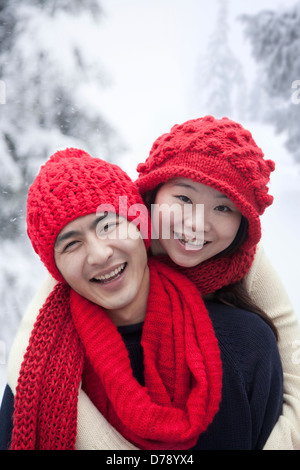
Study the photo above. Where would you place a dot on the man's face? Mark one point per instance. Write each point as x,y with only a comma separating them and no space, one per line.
104,259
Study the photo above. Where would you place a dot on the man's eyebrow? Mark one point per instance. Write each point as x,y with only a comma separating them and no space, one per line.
97,220
77,233
66,235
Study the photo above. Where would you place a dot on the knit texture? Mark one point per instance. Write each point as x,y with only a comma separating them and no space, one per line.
73,184
219,153
183,375
45,414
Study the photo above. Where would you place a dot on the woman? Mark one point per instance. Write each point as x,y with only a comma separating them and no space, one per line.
194,163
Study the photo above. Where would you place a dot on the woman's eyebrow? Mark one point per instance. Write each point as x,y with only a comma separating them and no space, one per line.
221,196
185,185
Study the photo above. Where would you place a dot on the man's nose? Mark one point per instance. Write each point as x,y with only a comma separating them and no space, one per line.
98,251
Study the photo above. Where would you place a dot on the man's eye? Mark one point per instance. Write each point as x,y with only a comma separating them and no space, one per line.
70,245
110,226
107,230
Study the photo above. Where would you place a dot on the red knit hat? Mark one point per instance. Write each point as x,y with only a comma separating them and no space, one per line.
216,152
73,184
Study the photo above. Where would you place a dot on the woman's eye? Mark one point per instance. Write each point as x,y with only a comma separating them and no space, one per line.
184,199
223,209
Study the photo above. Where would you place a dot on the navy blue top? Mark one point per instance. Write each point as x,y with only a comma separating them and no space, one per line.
252,389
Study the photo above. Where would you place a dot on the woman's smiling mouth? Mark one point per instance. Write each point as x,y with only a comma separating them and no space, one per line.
192,243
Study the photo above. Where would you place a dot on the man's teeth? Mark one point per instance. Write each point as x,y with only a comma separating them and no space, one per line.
109,276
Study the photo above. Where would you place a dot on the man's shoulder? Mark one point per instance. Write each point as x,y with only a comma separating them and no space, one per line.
242,333
6,418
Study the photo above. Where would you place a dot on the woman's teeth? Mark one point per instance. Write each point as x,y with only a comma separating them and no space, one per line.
190,241
110,276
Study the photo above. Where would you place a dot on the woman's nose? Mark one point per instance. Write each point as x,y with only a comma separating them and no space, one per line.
206,224
194,219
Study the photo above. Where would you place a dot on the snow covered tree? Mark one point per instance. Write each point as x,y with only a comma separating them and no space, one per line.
275,40
220,83
50,62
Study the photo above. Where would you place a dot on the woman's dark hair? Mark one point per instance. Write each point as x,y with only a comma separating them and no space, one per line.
239,239
150,196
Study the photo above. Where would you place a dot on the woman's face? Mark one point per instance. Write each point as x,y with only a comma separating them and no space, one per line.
104,259
193,222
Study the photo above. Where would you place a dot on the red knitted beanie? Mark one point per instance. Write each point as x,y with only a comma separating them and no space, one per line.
216,152
73,184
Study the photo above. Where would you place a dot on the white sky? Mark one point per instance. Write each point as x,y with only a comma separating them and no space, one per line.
150,50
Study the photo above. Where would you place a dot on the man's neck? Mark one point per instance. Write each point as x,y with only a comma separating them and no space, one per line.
134,312
156,248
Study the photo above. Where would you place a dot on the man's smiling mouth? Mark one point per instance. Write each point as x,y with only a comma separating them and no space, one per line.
110,276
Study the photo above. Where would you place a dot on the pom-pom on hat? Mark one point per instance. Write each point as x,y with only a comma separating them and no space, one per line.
73,184
216,152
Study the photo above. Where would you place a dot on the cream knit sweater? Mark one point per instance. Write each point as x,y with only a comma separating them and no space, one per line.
266,289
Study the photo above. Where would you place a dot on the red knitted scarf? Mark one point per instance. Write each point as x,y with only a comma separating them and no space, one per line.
183,376
217,272
45,414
